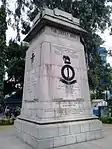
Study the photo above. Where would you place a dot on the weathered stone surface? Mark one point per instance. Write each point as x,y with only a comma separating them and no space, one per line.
55,135
56,102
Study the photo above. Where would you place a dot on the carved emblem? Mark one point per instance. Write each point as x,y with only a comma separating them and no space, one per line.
67,72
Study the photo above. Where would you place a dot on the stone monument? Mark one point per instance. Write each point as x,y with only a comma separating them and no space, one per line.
56,109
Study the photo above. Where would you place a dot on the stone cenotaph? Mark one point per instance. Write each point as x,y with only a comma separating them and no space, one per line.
56,108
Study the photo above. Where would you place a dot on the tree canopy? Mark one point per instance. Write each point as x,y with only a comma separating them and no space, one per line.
15,66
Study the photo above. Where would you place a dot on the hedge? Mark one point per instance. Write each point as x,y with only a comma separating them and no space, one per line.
106,120
6,121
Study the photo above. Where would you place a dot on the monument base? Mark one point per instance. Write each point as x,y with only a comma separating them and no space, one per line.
46,136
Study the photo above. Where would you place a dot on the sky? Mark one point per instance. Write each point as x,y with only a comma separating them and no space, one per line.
107,44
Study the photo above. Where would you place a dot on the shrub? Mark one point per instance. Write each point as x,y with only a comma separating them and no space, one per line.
6,121
106,120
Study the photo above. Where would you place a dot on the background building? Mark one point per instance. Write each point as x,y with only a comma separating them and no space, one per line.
103,54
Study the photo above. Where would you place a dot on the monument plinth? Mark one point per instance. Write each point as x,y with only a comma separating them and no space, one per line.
56,109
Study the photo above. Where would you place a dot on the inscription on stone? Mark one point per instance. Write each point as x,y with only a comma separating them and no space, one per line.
66,34
69,107
31,86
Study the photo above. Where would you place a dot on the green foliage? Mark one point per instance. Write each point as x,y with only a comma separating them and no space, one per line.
100,78
106,120
2,100
6,121
15,68
3,27
92,96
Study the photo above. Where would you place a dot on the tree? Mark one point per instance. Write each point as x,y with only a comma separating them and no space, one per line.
3,27
15,65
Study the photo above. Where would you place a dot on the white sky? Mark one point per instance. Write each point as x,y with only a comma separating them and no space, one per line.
108,43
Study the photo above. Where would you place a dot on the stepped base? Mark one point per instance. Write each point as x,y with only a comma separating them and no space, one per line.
46,136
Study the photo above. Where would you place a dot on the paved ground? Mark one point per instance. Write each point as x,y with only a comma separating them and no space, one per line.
9,141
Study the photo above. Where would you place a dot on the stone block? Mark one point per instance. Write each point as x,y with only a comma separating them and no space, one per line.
29,139
98,134
70,139
20,134
17,133
59,141
17,124
22,125
75,128
27,129
32,129
85,127
63,129
81,137
47,131
24,137
35,131
90,135
45,144
95,125
34,142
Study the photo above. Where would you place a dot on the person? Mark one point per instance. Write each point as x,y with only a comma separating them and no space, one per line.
18,110
12,116
107,94
7,110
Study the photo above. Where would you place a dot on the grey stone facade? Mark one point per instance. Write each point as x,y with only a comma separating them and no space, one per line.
56,109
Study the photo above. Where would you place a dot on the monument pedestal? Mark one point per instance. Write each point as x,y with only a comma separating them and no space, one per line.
48,136
56,109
